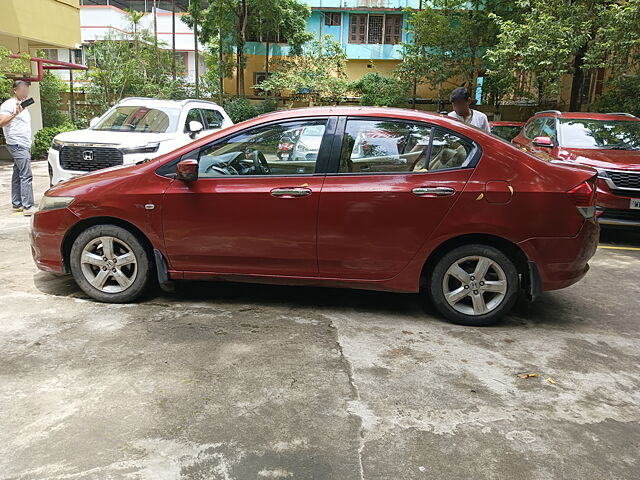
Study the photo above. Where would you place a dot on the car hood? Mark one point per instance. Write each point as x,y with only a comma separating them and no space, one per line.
113,138
87,182
602,158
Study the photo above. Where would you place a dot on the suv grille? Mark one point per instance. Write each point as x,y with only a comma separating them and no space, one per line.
88,159
625,179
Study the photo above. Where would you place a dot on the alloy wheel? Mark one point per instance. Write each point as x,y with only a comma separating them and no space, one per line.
474,285
109,264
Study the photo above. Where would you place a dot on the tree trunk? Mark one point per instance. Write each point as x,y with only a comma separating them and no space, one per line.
575,102
220,68
242,29
266,59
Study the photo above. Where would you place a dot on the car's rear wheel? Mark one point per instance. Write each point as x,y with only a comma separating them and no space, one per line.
474,285
110,264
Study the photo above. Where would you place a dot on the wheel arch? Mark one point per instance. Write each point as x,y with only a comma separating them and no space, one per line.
82,225
524,267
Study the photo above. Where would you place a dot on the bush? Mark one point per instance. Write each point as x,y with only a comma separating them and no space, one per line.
241,109
51,88
377,90
44,137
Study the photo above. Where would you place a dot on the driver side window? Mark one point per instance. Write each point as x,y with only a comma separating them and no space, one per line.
282,149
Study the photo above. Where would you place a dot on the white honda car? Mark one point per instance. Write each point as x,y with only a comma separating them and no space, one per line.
135,129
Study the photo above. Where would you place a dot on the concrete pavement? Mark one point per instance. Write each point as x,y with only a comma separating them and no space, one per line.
237,381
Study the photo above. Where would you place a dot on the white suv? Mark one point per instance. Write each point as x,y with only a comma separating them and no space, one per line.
133,130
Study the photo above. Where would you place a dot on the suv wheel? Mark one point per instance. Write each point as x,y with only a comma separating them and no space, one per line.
474,285
110,264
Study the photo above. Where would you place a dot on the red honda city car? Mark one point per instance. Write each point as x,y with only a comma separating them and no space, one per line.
395,200
608,142
506,129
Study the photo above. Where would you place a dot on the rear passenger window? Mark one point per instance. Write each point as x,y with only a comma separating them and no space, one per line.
372,146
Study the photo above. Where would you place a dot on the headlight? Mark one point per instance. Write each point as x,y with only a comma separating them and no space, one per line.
57,144
148,148
52,203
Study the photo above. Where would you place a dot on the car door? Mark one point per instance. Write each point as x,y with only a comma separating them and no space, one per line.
248,212
393,183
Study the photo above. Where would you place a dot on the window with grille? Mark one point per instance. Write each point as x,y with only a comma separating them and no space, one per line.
375,29
332,19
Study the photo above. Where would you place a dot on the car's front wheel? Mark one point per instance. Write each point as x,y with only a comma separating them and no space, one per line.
474,285
110,264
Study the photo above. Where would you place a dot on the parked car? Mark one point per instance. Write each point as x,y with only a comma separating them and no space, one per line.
608,142
301,143
469,218
506,130
135,129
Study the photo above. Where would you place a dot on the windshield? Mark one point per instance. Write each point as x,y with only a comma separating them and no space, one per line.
586,133
135,118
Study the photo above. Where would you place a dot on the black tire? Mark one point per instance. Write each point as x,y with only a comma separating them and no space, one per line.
437,278
143,266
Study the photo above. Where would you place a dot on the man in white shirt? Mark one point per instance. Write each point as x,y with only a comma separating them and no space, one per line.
461,101
16,126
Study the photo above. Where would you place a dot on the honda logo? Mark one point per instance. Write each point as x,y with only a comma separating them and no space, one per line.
87,155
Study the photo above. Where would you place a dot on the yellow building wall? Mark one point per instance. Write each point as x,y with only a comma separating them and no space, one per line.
44,23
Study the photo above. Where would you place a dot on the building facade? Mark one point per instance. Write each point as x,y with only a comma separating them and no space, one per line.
100,19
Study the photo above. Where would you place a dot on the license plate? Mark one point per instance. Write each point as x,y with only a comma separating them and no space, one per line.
635,203
285,156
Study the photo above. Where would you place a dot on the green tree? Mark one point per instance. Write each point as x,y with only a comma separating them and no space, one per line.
229,23
551,39
128,64
447,41
375,89
316,74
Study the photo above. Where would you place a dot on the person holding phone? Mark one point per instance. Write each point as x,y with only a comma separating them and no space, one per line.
16,126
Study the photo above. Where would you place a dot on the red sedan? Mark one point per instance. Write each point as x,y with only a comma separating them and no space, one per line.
396,200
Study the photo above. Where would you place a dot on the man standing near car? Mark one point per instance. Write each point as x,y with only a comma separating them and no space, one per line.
16,126
461,101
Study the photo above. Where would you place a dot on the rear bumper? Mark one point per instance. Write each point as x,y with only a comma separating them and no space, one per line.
563,261
47,234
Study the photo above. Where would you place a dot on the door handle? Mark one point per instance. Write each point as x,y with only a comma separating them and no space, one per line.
433,191
289,192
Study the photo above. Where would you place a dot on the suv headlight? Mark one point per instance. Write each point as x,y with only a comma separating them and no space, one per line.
52,203
148,148
57,144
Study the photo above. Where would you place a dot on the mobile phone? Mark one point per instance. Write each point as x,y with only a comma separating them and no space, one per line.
27,102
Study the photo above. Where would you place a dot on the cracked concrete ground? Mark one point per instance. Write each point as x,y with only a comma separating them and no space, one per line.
237,381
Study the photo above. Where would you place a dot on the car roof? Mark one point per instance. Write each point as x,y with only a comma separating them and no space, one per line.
587,115
151,102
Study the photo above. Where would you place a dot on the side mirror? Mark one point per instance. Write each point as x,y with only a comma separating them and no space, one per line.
544,142
187,170
195,127
93,121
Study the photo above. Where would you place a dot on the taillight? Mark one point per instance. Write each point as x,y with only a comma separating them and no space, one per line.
584,196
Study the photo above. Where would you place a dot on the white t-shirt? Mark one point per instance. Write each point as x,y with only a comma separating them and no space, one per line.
18,132
478,119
